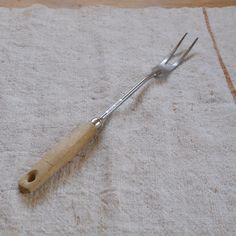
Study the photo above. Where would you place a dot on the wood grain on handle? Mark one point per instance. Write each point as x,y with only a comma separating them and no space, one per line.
57,157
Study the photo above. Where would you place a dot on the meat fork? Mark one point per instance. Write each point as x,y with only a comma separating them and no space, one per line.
68,148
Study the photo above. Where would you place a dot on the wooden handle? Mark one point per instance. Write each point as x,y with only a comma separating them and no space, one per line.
57,157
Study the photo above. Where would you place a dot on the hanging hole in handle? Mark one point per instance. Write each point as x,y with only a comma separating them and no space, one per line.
32,176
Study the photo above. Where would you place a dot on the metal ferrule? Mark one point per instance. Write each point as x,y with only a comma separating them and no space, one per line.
97,122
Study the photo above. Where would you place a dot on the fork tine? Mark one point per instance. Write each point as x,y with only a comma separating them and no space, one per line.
181,59
174,50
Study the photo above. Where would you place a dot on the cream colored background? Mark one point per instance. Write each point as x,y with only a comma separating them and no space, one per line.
165,162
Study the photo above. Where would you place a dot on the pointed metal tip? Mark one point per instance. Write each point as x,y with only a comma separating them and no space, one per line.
196,39
183,37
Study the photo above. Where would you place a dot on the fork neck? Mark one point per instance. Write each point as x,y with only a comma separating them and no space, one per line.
118,103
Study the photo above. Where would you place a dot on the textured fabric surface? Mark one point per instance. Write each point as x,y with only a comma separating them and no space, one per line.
163,165
225,34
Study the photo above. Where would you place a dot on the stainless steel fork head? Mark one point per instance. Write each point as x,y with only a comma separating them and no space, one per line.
165,67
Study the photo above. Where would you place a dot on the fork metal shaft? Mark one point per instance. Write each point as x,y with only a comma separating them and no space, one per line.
127,95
